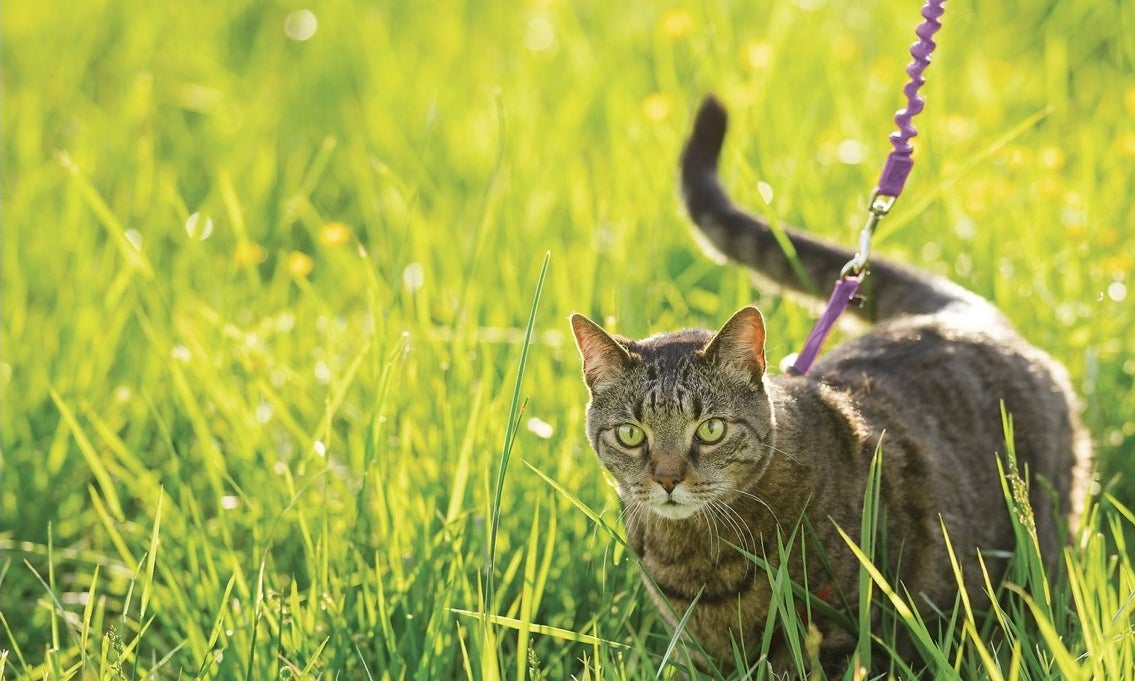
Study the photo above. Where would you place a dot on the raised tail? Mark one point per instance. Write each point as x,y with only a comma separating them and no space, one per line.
740,236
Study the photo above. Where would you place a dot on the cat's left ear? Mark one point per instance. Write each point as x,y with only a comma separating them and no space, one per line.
741,343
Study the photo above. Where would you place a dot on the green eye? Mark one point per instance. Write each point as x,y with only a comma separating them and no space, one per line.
710,431
629,435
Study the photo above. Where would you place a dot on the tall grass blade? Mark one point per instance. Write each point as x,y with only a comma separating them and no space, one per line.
591,514
91,456
133,256
510,436
679,631
542,629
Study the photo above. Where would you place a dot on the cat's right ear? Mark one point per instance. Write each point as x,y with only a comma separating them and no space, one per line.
604,358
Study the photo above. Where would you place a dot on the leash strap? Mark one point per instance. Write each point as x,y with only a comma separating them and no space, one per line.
842,296
891,182
899,163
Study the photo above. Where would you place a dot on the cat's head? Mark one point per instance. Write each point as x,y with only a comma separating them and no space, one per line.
682,420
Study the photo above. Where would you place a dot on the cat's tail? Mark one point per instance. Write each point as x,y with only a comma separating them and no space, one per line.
895,290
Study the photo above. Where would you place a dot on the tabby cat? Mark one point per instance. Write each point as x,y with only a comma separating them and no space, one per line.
710,452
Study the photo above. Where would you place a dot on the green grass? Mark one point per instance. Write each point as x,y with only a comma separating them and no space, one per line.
285,450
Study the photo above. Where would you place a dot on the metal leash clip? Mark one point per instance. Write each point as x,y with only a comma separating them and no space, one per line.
879,206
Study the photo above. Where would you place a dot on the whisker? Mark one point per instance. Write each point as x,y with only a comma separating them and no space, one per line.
631,512
757,499
704,513
777,450
751,546
741,529
607,507
713,512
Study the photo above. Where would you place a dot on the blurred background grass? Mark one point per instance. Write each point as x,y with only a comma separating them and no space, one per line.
266,268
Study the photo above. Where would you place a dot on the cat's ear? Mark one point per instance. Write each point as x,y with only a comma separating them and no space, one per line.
741,343
604,358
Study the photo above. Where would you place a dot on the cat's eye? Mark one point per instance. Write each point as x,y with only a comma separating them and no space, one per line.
710,431
629,435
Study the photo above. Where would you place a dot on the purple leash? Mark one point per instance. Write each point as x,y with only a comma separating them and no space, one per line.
890,186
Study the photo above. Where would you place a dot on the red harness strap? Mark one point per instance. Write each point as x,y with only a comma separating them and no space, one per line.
825,594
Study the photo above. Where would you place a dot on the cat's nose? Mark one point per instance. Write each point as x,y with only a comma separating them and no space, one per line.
668,481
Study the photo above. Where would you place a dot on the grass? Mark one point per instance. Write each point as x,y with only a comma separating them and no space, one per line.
266,305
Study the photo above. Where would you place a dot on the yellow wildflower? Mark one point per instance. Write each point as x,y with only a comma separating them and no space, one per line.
756,55
1125,144
299,264
677,23
334,234
656,107
1051,158
248,253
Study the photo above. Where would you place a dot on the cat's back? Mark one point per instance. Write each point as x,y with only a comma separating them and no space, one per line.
932,388
934,365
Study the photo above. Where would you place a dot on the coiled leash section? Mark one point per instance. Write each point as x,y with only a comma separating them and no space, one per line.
890,185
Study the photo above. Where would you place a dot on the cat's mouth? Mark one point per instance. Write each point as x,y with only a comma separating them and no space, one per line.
674,510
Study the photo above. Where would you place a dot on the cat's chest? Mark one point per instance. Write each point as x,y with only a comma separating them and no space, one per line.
687,557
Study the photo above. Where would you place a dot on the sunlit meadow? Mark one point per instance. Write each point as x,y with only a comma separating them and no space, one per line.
287,385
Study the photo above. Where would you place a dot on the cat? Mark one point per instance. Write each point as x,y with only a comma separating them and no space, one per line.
710,452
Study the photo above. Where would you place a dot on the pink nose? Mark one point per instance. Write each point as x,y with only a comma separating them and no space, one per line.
668,481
